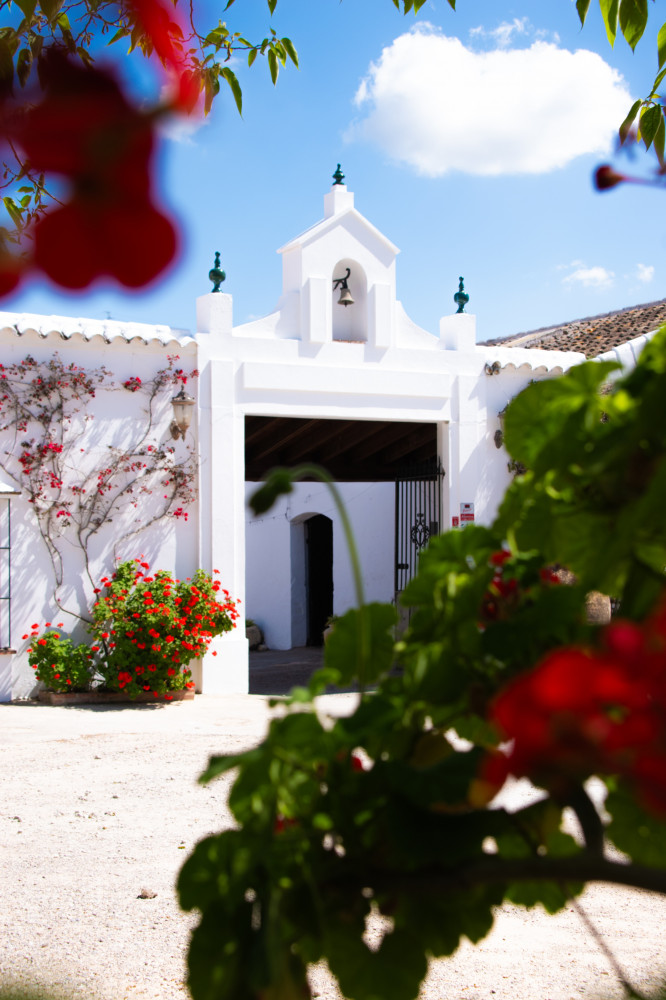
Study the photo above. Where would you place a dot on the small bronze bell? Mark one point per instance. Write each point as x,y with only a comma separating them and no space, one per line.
345,295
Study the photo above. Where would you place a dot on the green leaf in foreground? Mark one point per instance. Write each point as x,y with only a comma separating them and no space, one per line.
361,644
643,838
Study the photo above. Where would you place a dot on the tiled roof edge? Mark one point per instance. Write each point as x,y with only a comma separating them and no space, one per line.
88,329
544,331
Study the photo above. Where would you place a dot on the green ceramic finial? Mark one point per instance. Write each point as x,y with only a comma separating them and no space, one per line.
338,176
461,298
216,274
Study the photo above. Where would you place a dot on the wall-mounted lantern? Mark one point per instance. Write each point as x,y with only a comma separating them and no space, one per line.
499,433
345,295
182,414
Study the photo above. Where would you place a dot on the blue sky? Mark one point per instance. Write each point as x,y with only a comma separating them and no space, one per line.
468,138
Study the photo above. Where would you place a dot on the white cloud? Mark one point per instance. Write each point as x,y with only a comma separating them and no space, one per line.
573,263
181,128
645,273
504,32
436,105
590,277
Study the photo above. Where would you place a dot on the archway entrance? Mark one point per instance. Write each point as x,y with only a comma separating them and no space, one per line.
318,576
298,568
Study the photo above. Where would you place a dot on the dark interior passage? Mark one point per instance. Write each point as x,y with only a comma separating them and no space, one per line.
319,576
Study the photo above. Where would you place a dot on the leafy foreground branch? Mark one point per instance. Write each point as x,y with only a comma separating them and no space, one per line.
386,811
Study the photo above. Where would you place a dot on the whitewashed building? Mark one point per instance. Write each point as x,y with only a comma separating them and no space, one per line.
405,419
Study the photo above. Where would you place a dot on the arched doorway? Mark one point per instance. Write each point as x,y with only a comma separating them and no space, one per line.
318,576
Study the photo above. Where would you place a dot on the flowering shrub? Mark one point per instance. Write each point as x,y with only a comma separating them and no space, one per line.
58,663
148,627
514,584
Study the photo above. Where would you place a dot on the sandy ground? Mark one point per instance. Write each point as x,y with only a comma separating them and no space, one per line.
101,803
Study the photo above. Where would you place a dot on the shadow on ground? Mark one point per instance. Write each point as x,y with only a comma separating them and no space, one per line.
277,671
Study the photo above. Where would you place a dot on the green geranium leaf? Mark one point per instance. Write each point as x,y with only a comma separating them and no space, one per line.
633,830
361,645
547,418
393,972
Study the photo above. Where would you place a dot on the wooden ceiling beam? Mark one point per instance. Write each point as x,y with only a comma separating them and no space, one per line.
257,428
424,454
360,431
284,436
420,439
322,436
385,434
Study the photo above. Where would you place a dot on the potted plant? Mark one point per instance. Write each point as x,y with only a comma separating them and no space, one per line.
330,625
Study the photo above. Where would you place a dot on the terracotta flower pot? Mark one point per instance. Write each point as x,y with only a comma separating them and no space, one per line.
111,697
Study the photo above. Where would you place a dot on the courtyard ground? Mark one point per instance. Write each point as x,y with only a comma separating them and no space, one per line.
99,804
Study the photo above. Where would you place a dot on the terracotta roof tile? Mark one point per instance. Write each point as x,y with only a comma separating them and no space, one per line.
594,335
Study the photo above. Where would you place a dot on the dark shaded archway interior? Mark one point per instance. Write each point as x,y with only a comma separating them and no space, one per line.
319,575
351,450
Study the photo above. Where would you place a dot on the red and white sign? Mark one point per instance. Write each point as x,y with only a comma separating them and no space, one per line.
466,513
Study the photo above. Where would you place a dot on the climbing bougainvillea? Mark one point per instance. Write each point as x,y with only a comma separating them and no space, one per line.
75,483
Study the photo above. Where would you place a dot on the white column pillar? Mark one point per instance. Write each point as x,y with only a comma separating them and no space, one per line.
444,453
316,311
458,332
471,443
222,517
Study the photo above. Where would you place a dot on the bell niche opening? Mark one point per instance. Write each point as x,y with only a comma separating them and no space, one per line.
350,301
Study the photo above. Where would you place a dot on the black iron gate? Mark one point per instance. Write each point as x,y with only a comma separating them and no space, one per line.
418,515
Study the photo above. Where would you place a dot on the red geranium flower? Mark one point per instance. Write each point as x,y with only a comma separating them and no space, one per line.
583,712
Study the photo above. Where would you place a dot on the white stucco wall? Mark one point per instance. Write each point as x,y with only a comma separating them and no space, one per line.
117,415
275,556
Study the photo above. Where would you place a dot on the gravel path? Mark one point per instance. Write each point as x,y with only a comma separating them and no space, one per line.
101,803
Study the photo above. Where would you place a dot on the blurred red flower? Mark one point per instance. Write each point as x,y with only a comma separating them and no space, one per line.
84,129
